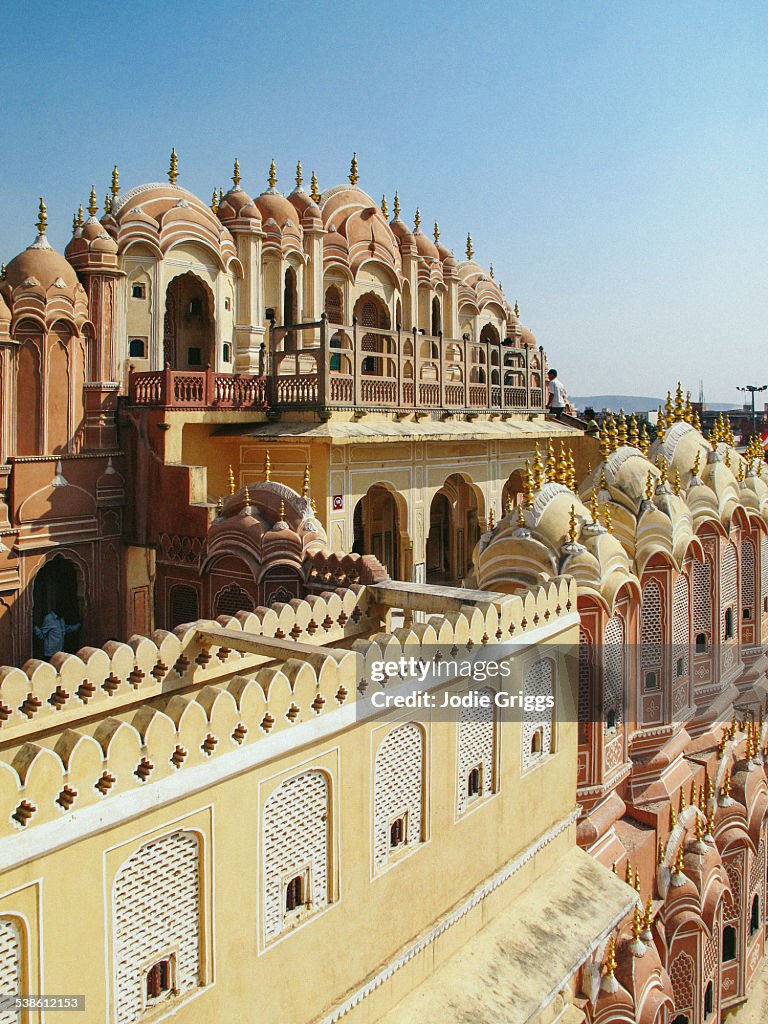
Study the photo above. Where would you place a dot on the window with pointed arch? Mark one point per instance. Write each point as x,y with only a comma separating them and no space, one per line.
398,794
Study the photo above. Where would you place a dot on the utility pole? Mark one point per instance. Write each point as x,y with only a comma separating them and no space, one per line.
753,389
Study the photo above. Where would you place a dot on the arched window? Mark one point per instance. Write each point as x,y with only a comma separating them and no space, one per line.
701,643
231,600
398,775
754,917
333,304
437,324
296,850
156,924
183,605
729,943
538,713
729,623
290,311
610,720
476,759
709,1000
536,742
136,348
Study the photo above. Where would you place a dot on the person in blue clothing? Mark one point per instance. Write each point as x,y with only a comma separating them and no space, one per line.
53,632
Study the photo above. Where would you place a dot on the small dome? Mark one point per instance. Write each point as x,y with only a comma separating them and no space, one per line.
91,246
402,232
274,206
238,205
43,265
425,246
309,212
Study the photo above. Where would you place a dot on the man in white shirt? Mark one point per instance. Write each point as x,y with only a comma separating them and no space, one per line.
556,395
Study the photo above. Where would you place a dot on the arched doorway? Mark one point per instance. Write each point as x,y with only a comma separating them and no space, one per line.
439,540
370,311
55,589
290,307
464,529
376,524
189,332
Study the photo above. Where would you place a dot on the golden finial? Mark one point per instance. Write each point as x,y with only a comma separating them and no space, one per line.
613,433
593,507
637,923
634,435
662,850
313,506
231,481
676,482
74,223
417,220
353,175
396,206
551,461
589,470
221,194
571,470
384,207
661,423
694,791
679,404
760,469
648,919
603,481
272,179
669,410
80,215
528,485
470,250
727,784
605,441
697,421
490,271
305,485
107,203
538,469
727,459
637,879
663,470
610,958
710,788
215,201
628,874
313,189
282,510
621,434
173,170
711,819
682,805
672,817
679,862
572,525
267,466
520,515
299,175
649,486
562,466
688,413
42,217
2,270
607,518
115,181
696,463
437,233
645,440
702,798
93,206
247,497
699,828
740,472
491,519
219,506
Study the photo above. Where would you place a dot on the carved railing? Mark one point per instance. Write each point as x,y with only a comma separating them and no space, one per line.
193,389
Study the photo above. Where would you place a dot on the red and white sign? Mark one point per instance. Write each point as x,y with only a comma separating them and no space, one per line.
338,502
764,439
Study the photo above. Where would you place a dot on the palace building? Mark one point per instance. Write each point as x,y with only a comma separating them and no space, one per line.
251,449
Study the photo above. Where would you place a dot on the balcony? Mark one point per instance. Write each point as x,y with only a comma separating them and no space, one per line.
323,367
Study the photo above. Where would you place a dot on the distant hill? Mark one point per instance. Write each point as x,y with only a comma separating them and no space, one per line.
629,403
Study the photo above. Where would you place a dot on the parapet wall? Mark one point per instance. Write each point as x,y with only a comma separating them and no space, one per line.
91,726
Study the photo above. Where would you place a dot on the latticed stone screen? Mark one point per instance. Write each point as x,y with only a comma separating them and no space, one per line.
764,567
231,600
728,585
747,573
156,904
681,974
702,598
10,966
681,619
296,839
651,628
398,788
538,682
476,748
613,668
585,681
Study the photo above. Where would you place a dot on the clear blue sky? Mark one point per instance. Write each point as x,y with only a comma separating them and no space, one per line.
608,158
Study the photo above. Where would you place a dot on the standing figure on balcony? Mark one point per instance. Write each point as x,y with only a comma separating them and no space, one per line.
53,633
557,396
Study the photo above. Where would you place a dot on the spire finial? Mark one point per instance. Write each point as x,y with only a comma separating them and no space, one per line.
299,175
679,862
520,515
236,174
622,429
470,249
696,463
491,519
669,410
107,203
80,215
74,222
538,469
644,443
42,217
610,958
437,233
173,170
607,518
272,179
551,462
572,525
649,486
215,201
313,189
92,204
305,486
231,481
219,506
517,308
648,914
637,923
593,507
679,403
384,207
115,181
528,485
354,177
247,505
634,436
663,467
417,220
267,466
676,484
282,510
490,271
396,206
